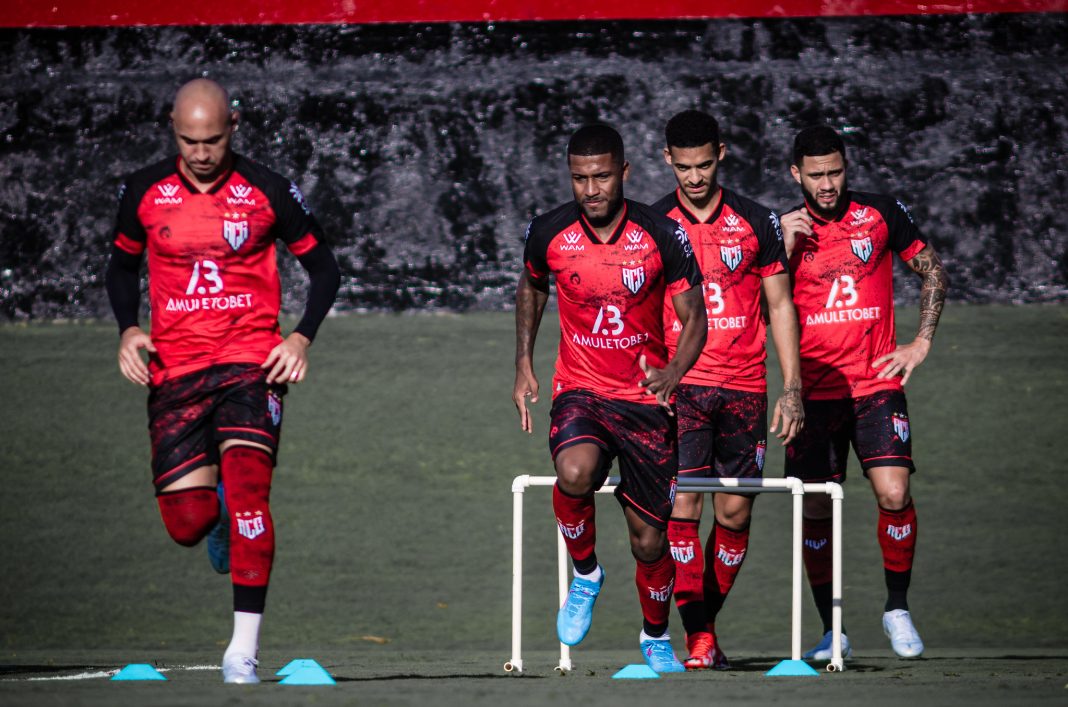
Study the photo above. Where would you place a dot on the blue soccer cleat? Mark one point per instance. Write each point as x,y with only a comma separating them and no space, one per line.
659,655
575,616
219,538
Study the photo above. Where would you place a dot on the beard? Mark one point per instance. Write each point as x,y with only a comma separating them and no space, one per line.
612,209
825,214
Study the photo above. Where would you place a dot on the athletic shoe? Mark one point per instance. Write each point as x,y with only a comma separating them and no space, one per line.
575,616
240,669
897,625
705,653
219,538
659,656
822,651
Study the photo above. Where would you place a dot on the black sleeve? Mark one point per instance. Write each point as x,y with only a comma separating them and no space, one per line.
534,252
905,238
325,278
123,284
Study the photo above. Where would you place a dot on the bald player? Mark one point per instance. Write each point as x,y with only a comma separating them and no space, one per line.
217,364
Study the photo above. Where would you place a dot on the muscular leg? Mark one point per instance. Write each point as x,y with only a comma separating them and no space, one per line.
726,548
684,535
578,471
817,552
897,531
655,573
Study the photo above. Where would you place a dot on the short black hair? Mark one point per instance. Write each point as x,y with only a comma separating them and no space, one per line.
692,128
816,141
596,139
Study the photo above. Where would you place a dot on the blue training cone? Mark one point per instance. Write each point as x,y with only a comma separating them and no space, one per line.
792,668
138,671
296,664
309,675
636,671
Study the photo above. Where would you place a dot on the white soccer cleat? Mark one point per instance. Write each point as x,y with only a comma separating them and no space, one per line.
904,639
822,651
240,670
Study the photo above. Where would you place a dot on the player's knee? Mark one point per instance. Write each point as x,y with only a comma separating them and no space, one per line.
576,475
687,506
894,498
189,514
817,506
734,517
649,546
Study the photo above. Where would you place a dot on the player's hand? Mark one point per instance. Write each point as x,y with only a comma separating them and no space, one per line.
794,224
903,361
526,385
288,362
660,382
791,412
130,362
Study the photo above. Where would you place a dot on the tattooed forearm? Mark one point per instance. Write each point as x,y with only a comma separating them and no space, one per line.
932,292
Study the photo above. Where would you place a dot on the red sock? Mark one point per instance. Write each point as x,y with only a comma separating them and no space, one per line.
897,537
726,550
655,581
189,513
817,550
685,539
246,475
575,516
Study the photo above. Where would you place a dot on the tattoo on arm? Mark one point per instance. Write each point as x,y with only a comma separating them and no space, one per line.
929,267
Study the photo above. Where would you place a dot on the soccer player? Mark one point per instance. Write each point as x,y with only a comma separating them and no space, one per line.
722,401
840,244
217,363
614,262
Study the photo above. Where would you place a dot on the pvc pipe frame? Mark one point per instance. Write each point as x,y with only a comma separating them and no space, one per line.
791,485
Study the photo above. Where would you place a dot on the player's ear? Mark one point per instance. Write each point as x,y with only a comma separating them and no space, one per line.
722,151
626,170
667,157
796,172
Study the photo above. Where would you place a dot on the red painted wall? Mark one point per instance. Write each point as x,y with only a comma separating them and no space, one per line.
64,13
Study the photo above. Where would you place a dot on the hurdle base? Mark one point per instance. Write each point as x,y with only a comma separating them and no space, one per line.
792,668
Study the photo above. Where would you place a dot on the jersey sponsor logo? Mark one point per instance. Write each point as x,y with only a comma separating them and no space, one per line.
901,205
122,191
250,525
729,557
776,226
572,532
571,242
222,303
599,342
716,323
862,247
761,448
661,594
899,532
682,552
526,235
635,237
274,407
901,427
861,216
168,194
634,278
684,241
814,544
731,255
732,224
294,191
235,233
240,196
843,316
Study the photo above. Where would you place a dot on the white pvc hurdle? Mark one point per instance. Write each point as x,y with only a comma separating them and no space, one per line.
790,485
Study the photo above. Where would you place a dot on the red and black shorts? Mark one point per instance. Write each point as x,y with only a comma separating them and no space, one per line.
723,433
877,425
641,436
189,416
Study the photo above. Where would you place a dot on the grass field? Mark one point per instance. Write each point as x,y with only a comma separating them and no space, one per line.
393,513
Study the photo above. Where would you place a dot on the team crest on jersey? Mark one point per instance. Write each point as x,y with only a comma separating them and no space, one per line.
571,241
240,195
731,255
634,278
761,448
274,407
862,247
250,525
682,553
294,191
168,195
235,233
901,427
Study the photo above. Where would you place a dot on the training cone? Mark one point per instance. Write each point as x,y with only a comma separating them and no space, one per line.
636,671
792,668
313,674
296,664
138,671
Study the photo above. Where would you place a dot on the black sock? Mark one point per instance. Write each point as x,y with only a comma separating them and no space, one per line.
822,595
585,565
694,617
897,589
654,630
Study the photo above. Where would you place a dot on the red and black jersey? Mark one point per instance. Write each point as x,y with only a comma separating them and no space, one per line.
610,295
213,280
738,246
844,294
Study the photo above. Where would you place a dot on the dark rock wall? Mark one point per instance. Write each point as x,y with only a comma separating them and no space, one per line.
424,149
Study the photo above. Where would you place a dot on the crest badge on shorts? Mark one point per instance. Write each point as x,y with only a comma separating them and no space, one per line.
761,448
274,407
901,427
